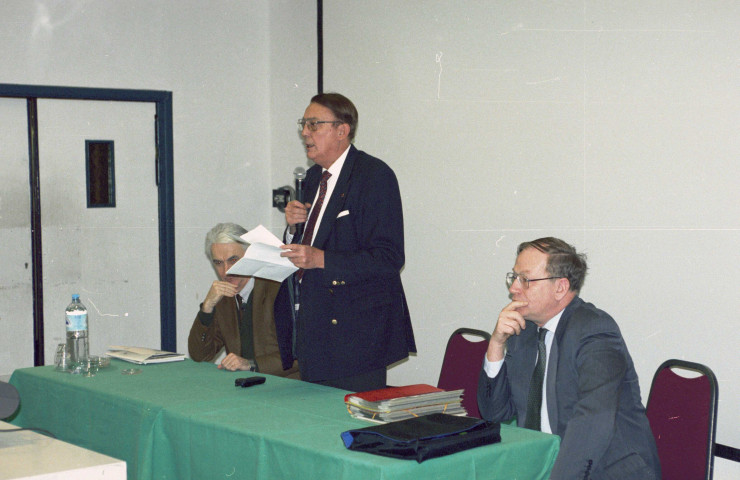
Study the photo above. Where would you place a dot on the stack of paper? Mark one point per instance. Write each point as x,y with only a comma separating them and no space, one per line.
142,355
399,403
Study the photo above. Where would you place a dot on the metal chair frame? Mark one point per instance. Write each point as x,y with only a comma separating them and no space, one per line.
713,403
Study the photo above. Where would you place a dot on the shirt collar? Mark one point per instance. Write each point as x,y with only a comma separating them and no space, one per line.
552,324
336,167
247,289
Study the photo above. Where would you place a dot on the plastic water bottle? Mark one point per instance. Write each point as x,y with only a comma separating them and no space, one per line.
77,346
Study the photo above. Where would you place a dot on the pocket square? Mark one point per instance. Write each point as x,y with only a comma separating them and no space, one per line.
343,213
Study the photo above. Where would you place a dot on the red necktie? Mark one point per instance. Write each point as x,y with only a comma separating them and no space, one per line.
311,225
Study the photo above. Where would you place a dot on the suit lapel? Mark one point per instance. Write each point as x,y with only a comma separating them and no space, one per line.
257,299
230,329
552,365
337,199
312,183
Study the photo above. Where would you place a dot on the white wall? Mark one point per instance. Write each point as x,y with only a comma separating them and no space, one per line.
612,128
16,294
615,128
293,81
215,57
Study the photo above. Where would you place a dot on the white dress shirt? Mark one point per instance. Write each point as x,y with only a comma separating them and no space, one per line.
246,291
493,368
335,169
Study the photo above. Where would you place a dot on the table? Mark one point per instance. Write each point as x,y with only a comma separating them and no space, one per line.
27,455
186,420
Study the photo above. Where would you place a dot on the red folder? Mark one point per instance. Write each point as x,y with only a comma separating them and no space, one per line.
397,403
391,393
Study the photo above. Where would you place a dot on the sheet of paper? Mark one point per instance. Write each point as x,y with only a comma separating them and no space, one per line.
262,259
260,234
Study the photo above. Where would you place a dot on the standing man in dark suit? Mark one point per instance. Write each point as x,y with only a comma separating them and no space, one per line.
237,313
351,318
590,396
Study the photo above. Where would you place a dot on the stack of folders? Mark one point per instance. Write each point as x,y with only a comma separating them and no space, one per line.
399,403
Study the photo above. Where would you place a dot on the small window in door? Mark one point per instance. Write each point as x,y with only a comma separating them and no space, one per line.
101,181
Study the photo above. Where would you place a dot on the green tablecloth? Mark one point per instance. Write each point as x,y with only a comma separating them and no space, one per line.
186,420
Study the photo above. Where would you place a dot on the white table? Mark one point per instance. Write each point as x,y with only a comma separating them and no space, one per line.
27,455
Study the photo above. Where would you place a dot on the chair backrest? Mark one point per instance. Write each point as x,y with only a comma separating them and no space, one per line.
461,366
683,417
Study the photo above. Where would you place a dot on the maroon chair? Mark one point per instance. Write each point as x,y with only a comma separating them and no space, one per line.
461,366
683,417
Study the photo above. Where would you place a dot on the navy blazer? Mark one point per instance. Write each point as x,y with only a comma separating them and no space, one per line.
593,397
353,314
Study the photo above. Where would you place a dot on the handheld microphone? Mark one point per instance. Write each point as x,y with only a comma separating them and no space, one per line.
300,174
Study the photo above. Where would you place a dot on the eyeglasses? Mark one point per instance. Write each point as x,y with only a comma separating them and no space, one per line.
523,281
312,124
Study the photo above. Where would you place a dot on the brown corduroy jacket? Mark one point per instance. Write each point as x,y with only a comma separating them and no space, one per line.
205,342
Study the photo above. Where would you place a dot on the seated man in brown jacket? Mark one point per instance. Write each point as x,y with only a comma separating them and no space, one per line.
237,313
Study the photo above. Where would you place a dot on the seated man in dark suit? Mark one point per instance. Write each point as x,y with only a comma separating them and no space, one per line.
237,313
560,365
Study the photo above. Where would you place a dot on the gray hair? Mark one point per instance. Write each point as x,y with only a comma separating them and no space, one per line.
225,233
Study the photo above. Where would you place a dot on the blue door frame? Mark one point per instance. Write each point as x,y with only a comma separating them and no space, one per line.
165,184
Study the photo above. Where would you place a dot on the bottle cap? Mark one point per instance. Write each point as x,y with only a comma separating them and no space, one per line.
75,296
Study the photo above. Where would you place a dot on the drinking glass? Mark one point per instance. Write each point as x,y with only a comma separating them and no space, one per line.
61,359
91,365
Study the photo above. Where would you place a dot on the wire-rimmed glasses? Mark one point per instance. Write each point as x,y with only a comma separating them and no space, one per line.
313,124
511,277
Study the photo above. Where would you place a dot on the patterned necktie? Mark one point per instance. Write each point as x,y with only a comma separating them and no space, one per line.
534,400
311,225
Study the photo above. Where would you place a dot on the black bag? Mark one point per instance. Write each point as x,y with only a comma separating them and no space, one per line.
420,438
